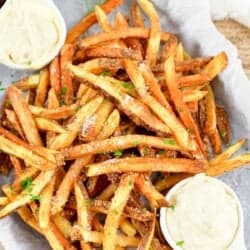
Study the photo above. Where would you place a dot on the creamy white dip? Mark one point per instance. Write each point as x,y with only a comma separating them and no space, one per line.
32,32
204,215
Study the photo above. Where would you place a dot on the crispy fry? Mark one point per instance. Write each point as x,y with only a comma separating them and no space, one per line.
119,143
127,103
84,217
120,34
156,199
67,54
89,20
54,114
63,225
17,165
155,31
216,141
11,116
180,106
107,192
137,17
227,153
49,125
25,197
90,130
210,123
192,80
24,115
146,240
169,48
193,96
45,203
102,19
146,165
23,153
215,66
55,75
30,82
3,201
41,91
110,125
123,241
228,165
65,139
127,228
119,201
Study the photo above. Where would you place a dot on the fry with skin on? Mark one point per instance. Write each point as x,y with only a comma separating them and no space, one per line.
146,188
102,19
176,96
193,80
12,118
146,240
139,112
66,186
84,217
45,203
165,114
118,143
137,18
119,34
24,116
154,39
67,54
216,141
110,125
215,66
146,165
227,153
91,130
65,139
89,20
25,154
118,203
42,88
16,165
49,125
55,75
24,197
55,113
210,122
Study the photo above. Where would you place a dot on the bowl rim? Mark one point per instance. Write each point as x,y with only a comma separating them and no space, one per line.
62,39
164,228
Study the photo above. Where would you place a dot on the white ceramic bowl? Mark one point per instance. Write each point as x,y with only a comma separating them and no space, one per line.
63,33
238,242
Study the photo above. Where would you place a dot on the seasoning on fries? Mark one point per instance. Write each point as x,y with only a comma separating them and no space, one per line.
116,118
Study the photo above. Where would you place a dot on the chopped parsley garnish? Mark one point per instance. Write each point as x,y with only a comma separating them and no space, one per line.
118,153
172,207
64,91
180,243
62,102
89,202
27,184
35,197
1,89
128,85
169,141
180,109
144,210
106,73
115,211
161,152
78,108
136,143
190,131
130,183
145,151
223,133
29,63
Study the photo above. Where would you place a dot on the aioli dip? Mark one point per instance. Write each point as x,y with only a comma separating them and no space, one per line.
32,33
204,215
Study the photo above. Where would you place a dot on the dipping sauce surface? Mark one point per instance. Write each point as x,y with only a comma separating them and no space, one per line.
204,215
31,31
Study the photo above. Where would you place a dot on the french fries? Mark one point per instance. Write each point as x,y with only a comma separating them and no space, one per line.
86,135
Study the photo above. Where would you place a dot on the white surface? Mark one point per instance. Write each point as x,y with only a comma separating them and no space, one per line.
239,10
238,242
190,20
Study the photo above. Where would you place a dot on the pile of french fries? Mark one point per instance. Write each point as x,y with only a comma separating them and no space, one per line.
96,138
